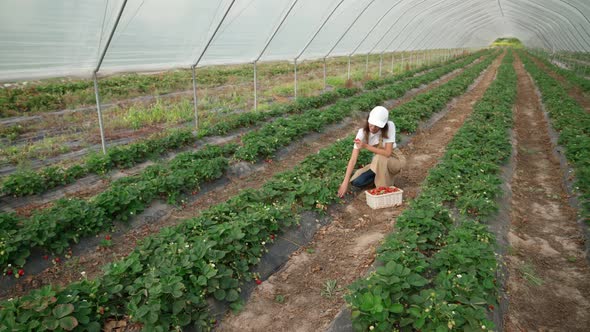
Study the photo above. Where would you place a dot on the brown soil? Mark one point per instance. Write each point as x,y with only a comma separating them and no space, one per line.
344,250
548,285
574,91
92,263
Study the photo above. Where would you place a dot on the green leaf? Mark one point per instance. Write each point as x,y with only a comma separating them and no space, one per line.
116,289
355,314
50,324
232,295
63,310
416,312
419,323
178,306
93,327
152,317
219,294
396,308
68,323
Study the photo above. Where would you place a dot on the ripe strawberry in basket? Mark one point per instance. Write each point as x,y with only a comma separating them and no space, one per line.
383,190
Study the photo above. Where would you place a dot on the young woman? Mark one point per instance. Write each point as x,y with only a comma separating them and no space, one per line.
378,136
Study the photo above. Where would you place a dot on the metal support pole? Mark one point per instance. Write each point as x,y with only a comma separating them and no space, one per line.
325,74
102,139
402,64
195,97
255,89
349,67
97,68
295,66
196,62
380,64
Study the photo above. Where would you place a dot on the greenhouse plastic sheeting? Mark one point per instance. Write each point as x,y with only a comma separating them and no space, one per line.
42,38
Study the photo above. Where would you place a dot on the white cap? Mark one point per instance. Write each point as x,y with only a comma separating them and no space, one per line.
379,116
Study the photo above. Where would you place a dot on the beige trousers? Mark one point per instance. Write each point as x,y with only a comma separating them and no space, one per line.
384,168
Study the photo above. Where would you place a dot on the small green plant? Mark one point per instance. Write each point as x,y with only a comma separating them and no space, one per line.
330,288
528,272
572,259
280,298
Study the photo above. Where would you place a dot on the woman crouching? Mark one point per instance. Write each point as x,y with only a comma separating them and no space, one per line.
378,136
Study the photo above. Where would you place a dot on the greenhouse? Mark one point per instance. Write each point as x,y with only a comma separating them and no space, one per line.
333,165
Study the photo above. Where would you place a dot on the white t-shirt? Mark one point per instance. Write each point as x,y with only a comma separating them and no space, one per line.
374,138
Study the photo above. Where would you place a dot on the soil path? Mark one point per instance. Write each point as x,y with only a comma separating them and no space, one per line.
344,250
574,91
548,285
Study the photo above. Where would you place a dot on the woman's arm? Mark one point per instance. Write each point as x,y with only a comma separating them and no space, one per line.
384,152
351,163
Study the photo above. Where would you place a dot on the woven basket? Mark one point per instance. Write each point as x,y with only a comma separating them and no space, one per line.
384,200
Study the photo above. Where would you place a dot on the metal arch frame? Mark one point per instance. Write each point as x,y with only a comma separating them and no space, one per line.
441,32
392,25
469,27
346,32
264,50
563,16
535,27
577,9
412,21
542,26
194,65
309,42
468,19
95,79
427,39
535,31
431,7
370,32
469,14
525,9
556,27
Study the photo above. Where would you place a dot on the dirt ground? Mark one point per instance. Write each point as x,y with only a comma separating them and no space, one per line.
344,250
548,285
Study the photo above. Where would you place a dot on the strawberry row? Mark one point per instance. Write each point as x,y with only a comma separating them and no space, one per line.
165,282
569,75
55,228
572,122
29,182
437,272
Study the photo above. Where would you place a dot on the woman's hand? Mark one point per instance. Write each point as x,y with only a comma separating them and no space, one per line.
360,144
342,190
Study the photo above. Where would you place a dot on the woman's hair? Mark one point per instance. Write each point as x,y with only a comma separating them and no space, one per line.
366,130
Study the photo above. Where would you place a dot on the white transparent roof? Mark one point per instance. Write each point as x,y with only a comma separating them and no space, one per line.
41,38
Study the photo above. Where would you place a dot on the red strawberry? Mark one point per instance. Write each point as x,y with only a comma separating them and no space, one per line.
491,306
57,259
272,236
9,272
258,281
21,272
46,257
108,237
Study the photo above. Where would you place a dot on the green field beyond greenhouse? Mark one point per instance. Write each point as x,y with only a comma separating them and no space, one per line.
192,166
